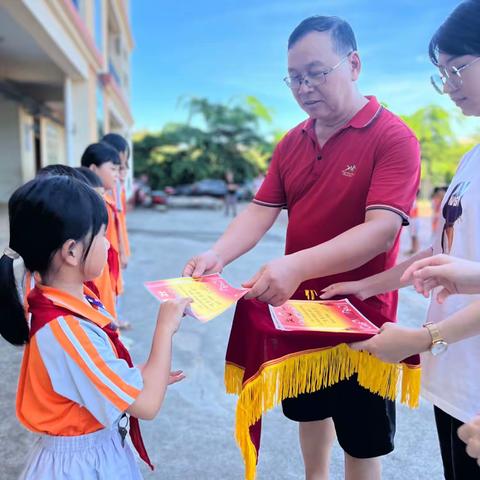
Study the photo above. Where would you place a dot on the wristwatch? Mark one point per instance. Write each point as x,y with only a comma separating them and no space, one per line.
439,345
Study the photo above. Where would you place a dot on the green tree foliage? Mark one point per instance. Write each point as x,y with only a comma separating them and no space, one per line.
441,149
215,138
220,137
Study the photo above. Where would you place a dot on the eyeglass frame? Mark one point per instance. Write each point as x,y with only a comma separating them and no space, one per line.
304,78
445,78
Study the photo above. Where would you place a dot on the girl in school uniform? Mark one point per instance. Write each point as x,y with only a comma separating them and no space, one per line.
104,161
77,383
122,147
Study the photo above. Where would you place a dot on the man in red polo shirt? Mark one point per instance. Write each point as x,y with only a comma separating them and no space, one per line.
348,177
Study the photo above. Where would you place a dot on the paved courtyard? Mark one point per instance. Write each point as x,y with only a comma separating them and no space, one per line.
192,438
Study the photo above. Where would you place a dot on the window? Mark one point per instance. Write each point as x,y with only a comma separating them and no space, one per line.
100,110
98,24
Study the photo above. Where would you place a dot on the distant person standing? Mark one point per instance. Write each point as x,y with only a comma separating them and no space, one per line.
414,228
231,195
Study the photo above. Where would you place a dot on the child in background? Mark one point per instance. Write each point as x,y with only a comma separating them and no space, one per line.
104,161
59,169
231,195
123,149
92,179
77,379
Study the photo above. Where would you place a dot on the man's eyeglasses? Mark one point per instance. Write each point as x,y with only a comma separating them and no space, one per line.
312,79
452,76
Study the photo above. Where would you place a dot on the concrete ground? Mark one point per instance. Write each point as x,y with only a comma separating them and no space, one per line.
192,438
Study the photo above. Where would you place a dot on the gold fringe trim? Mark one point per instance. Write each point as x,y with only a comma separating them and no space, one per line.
308,372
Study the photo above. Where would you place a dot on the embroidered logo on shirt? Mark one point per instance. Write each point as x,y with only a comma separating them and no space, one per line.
349,171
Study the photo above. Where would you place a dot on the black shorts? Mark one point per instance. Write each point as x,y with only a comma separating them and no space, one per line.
457,464
364,422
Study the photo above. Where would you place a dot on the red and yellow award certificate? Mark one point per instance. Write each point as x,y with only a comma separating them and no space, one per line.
321,316
211,294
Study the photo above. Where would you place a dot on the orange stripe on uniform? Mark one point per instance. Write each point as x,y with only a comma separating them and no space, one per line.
87,344
67,345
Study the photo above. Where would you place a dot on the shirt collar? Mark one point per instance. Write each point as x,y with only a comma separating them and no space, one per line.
109,199
93,310
364,117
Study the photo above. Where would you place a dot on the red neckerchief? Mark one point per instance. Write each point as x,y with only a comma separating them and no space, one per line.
113,256
45,304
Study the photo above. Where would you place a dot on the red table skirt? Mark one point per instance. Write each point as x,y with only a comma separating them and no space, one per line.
265,365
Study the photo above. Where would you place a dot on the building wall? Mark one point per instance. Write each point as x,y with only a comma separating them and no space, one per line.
53,143
10,167
72,41
27,145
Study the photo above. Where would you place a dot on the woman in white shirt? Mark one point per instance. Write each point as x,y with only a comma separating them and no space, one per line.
451,379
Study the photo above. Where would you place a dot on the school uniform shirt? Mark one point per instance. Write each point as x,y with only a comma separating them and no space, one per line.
106,282
71,380
451,380
113,236
123,219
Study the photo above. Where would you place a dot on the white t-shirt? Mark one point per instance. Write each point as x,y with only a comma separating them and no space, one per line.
451,381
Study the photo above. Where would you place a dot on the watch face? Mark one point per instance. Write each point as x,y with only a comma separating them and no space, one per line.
438,347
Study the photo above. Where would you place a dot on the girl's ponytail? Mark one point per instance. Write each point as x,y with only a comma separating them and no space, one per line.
13,323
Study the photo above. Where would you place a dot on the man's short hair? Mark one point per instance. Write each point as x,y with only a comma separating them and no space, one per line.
341,32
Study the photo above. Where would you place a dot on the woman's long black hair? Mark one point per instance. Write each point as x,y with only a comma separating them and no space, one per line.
44,213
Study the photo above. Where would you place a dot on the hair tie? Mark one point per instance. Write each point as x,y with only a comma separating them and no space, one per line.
10,253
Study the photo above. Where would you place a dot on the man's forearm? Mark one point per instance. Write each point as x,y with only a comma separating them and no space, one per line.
347,251
245,232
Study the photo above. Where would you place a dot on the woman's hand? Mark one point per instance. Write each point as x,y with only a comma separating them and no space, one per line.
345,288
395,343
455,275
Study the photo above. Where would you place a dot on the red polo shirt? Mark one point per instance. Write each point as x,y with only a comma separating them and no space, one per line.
373,162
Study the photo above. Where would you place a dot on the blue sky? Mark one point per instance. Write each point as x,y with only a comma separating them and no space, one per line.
227,49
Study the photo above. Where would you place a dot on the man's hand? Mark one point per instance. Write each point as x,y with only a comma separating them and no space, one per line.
395,343
204,264
455,275
275,282
470,434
